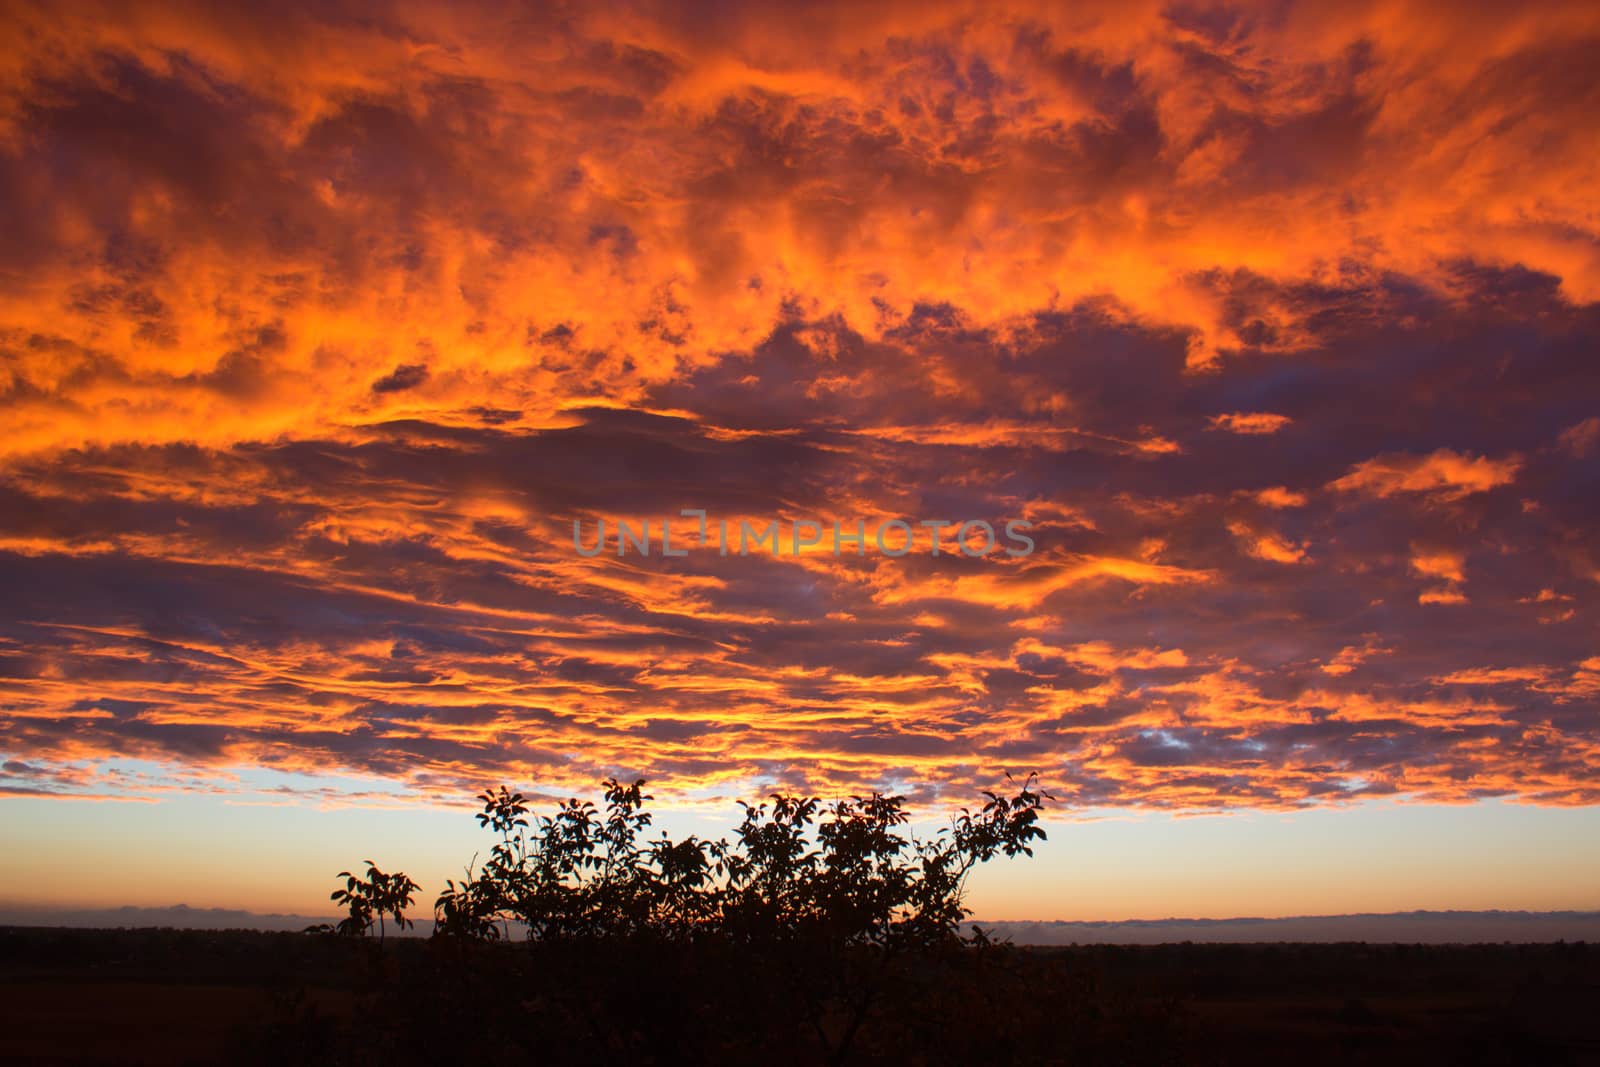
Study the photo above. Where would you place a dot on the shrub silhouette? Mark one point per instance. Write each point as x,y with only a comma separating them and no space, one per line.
815,932
583,872
369,899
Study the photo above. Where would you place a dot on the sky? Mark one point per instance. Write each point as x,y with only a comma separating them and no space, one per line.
322,325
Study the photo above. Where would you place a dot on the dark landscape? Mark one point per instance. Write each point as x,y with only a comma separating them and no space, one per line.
159,996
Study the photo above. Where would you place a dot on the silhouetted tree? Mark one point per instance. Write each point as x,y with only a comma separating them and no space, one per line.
818,927
864,879
369,899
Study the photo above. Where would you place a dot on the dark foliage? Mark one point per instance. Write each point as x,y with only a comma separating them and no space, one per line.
369,899
819,933
848,874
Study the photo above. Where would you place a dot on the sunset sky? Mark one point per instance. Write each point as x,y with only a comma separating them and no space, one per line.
320,324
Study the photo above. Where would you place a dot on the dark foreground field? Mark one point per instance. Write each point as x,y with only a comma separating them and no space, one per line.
171,996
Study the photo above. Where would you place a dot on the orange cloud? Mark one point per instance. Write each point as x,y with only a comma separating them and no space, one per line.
318,331
1251,423
1264,544
549,209
1279,497
1443,474
1438,563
